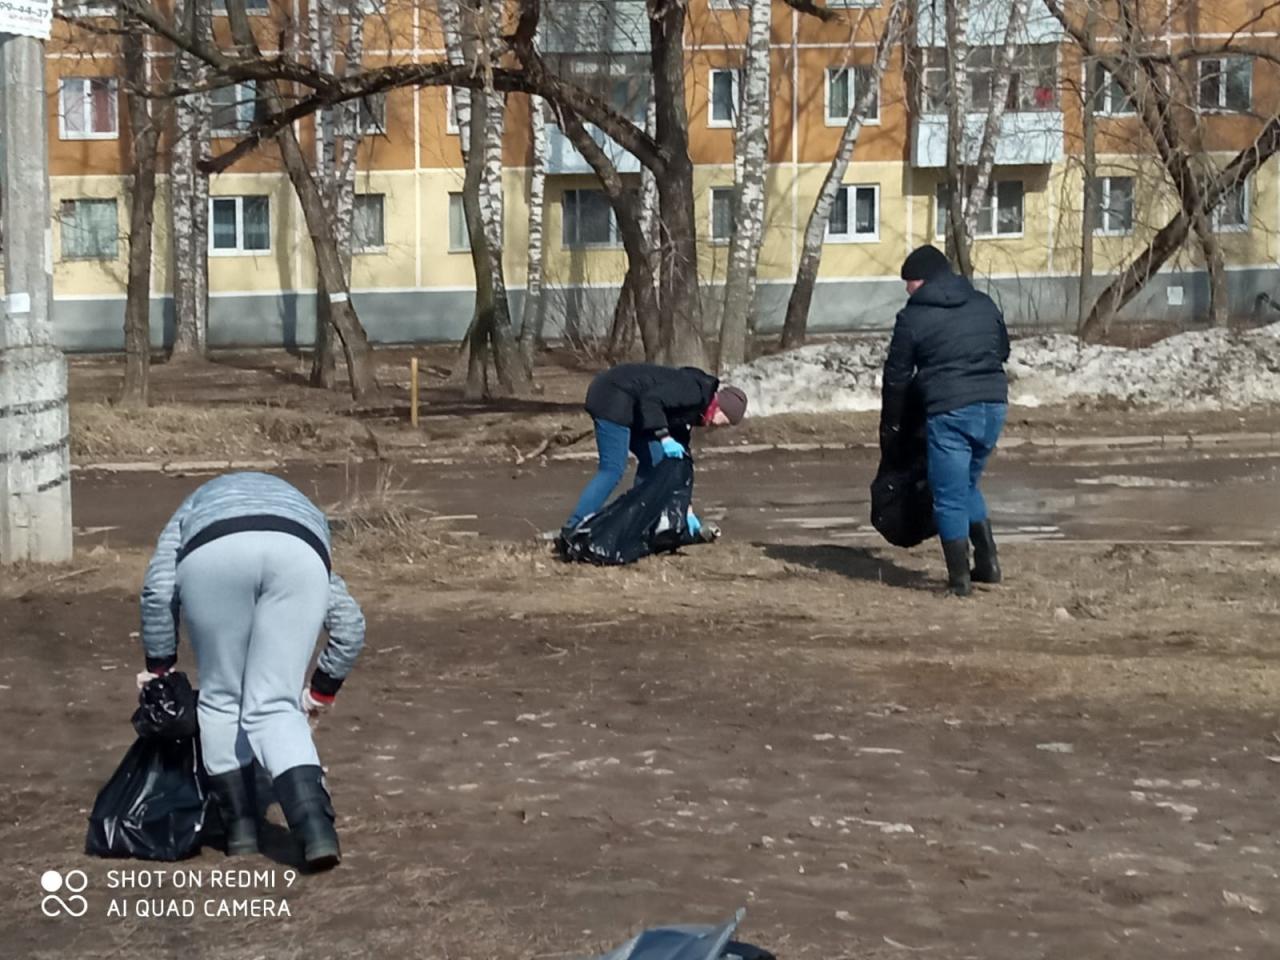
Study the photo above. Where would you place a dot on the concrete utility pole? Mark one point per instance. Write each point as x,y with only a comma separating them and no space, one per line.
35,468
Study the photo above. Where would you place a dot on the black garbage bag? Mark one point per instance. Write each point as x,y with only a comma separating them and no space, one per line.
901,501
156,804
167,708
649,518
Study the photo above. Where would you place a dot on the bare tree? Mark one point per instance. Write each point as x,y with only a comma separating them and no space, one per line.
189,191
355,344
533,312
795,325
144,130
751,152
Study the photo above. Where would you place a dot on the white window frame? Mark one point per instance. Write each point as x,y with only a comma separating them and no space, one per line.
615,239
1222,106
1216,216
89,257
735,94
379,127
993,193
86,106
380,247
451,113
851,205
239,250
735,5
462,211
246,98
1106,107
88,9
262,8
1102,228
851,71
711,217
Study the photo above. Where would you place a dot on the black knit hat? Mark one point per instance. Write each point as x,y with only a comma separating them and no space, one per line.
925,263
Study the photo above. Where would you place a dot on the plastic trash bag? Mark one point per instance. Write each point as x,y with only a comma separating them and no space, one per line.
166,708
901,500
689,943
155,806
647,519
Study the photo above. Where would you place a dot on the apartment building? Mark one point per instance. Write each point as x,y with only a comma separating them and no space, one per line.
412,276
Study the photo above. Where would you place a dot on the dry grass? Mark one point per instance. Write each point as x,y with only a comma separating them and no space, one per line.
103,432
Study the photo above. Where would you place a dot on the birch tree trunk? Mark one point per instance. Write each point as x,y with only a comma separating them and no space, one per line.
796,323
144,133
995,114
189,193
533,312
1089,215
355,344
751,164
324,367
957,23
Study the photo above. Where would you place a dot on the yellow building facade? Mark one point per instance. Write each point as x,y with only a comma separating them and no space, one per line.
412,277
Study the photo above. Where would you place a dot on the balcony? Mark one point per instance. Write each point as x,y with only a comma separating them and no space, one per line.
563,158
988,21
1031,138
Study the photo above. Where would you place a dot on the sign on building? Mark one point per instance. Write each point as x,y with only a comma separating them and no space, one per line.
26,18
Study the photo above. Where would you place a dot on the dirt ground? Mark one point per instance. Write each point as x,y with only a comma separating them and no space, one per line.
536,761
256,405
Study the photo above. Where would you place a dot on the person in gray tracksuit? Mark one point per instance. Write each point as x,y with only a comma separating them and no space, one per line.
245,563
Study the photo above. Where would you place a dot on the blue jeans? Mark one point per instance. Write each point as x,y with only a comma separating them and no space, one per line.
960,442
613,440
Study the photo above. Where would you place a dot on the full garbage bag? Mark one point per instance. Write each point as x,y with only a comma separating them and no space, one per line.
901,500
649,518
156,804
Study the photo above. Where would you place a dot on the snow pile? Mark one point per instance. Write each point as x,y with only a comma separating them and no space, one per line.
1204,370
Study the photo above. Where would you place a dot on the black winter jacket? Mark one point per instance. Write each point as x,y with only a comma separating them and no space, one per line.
651,399
951,339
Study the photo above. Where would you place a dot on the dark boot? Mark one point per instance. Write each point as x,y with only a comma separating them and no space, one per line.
986,564
309,812
234,795
957,554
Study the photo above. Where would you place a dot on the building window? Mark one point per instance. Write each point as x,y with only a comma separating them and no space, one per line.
233,109
1112,100
843,4
722,220
89,229
453,98
1231,215
87,8
1033,79
855,214
588,220
999,216
728,4
239,225
1113,210
1226,84
459,238
87,108
723,109
371,115
254,8
367,227
844,86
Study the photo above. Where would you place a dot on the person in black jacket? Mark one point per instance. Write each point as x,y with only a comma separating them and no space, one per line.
649,410
952,341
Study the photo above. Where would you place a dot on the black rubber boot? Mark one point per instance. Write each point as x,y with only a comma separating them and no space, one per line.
986,563
234,794
309,813
957,554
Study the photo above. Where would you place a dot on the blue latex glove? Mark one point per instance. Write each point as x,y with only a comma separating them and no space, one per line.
672,448
693,523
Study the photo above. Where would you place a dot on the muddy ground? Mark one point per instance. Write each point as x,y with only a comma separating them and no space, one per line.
536,761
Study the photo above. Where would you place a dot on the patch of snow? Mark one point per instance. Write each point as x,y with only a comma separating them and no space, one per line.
1201,370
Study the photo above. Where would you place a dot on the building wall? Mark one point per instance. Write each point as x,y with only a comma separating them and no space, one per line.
416,288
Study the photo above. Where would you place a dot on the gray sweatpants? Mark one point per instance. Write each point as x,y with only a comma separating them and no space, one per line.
253,604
